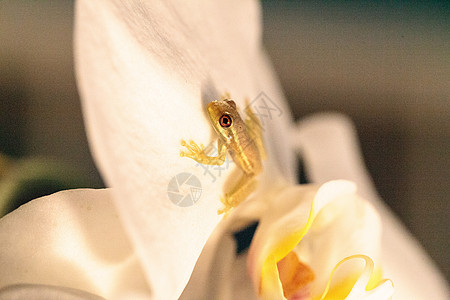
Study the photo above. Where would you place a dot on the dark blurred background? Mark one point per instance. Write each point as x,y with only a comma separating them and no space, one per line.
387,66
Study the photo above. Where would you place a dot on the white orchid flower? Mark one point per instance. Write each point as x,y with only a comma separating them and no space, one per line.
146,71
321,225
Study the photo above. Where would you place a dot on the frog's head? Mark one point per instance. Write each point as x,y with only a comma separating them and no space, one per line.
224,117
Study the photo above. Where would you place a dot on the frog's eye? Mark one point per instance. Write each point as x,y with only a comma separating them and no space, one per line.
225,121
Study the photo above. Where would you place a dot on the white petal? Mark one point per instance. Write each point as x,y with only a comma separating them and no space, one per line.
33,291
214,275
70,239
346,227
329,145
145,72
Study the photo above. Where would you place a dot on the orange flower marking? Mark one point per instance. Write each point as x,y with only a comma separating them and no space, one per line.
294,275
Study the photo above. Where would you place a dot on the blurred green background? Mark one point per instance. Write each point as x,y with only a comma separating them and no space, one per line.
387,66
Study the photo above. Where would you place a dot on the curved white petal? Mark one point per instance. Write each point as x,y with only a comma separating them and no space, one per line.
33,291
71,239
146,71
349,226
383,290
330,150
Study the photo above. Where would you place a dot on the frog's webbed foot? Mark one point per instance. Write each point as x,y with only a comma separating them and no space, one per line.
194,151
239,193
197,153
227,206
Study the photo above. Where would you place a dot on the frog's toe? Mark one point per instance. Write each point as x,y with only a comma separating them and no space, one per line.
188,146
224,210
227,206
194,147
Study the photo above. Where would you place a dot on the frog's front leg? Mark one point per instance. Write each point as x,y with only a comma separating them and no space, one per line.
198,154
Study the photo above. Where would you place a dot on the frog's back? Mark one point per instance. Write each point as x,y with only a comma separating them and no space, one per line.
244,150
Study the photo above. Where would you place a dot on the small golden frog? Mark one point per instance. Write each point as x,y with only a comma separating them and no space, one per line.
242,139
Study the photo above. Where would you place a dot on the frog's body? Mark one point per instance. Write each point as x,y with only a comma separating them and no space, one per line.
243,141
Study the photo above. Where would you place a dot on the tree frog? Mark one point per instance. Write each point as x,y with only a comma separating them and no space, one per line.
242,139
